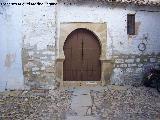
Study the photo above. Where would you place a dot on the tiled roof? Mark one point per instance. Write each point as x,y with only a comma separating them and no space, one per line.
136,2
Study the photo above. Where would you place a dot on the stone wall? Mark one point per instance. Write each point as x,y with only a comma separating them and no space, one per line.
130,69
38,53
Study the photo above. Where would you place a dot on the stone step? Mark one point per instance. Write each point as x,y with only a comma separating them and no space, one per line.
81,118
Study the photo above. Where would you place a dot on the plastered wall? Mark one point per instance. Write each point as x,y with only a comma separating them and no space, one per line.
27,40
11,73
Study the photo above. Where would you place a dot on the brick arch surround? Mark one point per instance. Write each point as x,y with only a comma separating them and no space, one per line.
100,30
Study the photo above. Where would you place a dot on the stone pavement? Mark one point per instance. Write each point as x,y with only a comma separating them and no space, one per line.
98,103
115,103
81,105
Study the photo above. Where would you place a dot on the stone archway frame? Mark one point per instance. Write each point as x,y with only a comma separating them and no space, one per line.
100,30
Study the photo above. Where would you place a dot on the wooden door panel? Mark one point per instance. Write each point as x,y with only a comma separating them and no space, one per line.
82,52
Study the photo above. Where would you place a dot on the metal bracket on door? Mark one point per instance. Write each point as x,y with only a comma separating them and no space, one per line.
82,49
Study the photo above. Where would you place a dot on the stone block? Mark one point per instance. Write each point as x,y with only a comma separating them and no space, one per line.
132,65
153,60
50,70
116,57
119,61
31,53
43,68
35,69
145,60
138,59
36,73
133,56
140,65
43,58
117,65
123,65
129,60
124,56
49,53
129,70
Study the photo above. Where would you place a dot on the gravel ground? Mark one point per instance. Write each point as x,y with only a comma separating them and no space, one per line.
107,103
34,104
126,103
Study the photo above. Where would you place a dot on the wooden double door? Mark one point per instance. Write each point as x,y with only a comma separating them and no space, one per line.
82,53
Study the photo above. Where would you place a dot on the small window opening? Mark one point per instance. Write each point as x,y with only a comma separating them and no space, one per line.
131,24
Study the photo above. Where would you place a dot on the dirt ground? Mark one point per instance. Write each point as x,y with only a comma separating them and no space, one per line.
99,103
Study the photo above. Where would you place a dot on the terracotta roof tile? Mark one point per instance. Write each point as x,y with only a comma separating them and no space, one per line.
136,2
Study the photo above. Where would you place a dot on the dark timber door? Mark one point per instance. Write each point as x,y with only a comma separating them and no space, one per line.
82,52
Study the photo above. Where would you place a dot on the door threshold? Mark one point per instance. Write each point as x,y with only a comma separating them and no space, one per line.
71,84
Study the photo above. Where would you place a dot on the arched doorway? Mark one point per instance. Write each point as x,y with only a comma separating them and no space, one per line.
82,56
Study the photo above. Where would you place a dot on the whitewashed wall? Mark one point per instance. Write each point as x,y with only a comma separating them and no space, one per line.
116,19
11,74
27,38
